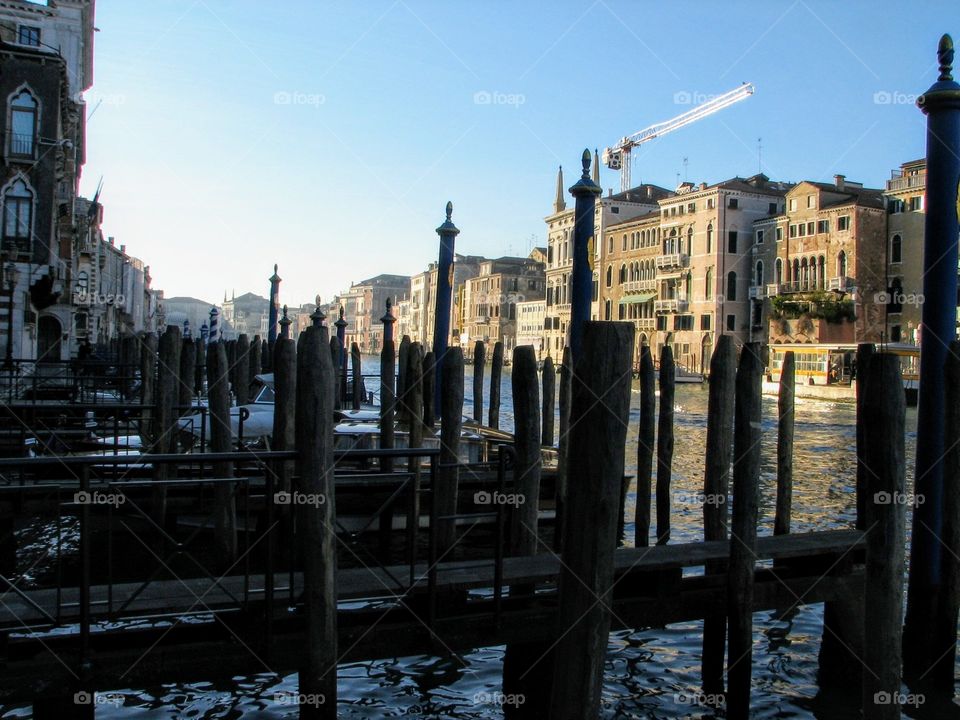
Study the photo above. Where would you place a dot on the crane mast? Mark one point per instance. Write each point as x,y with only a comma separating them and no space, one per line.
618,157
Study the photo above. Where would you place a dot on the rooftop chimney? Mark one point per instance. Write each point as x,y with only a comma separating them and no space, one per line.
838,181
110,240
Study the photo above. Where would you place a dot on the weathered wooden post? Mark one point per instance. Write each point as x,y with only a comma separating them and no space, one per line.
266,356
665,444
241,374
929,640
444,298
563,445
645,447
716,486
415,405
315,523
743,539
864,356
199,366
185,379
886,536
599,432
256,348
585,193
781,523
148,379
230,347
429,386
165,420
451,422
402,381
355,364
285,398
549,381
335,356
479,362
496,370
341,326
130,349
388,379
225,530
274,310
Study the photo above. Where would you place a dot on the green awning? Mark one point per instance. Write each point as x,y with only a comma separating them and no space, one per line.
632,299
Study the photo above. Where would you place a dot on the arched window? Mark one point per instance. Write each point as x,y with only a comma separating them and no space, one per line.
708,284
795,278
841,264
731,287
710,238
758,277
896,249
23,124
804,275
606,310
778,271
623,274
609,277
625,240
814,280
822,273
690,241
17,211
688,288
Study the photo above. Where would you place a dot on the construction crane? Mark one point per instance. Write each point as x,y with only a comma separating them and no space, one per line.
618,156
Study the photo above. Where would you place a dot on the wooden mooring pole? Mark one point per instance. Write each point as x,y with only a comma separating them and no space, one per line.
448,474
479,364
563,445
148,379
716,491
743,539
388,387
496,370
225,529
355,364
241,372
315,524
785,424
645,447
429,387
599,432
665,444
549,381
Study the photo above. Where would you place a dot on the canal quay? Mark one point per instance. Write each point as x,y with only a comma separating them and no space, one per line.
701,460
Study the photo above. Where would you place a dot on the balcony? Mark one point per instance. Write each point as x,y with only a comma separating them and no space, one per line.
645,323
669,262
758,292
669,306
905,182
841,284
21,146
639,286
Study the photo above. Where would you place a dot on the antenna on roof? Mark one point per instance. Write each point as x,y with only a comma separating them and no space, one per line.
685,178
759,155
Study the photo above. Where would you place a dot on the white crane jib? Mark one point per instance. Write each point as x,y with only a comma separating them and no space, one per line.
618,157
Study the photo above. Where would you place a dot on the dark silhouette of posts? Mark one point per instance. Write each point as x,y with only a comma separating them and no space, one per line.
928,639
645,447
185,379
665,445
585,193
496,371
355,364
165,420
266,356
716,486
274,310
335,356
479,362
526,471
599,432
785,422
402,381
315,522
743,540
388,379
225,530
429,387
563,446
200,366
549,381
256,348
285,398
241,375
341,326
951,493
148,379
415,386
448,473
864,355
444,299
886,535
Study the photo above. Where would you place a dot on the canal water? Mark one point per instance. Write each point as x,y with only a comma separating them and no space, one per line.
652,673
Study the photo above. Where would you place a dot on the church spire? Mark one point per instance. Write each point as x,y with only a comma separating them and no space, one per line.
559,204
596,167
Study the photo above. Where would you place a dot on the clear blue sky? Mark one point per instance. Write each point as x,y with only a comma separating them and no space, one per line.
328,136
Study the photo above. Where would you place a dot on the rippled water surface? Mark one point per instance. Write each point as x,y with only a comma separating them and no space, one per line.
649,673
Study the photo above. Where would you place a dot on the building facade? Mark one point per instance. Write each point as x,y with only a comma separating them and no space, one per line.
530,317
906,207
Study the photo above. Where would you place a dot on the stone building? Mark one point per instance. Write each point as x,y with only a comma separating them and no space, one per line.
530,316
363,306
905,193
490,301
818,271
248,314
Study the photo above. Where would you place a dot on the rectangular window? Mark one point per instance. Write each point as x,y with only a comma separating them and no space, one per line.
733,203
732,241
683,322
692,207
16,217
843,222
916,203
661,322
811,201
779,234
27,35
731,322
793,231
615,210
823,226
793,204
801,229
810,228
705,322
772,208
711,203
759,237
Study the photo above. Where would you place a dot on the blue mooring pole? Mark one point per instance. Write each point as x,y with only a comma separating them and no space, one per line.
441,327
274,307
928,634
585,193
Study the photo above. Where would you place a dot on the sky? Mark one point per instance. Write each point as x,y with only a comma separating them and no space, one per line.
327,137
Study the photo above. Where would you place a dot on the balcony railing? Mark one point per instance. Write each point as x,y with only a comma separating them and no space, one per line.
645,323
841,283
637,286
906,182
675,260
758,292
21,145
670,306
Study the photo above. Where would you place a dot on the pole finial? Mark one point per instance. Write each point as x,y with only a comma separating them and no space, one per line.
585,160
285,324
945,58
449,210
